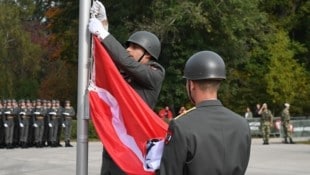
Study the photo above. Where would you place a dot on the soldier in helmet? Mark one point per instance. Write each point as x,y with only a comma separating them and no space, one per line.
209,139
68,114
138,64
9,124
24,118
2,135
39,115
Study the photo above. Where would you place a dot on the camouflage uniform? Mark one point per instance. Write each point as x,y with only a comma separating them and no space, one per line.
285,118
266,121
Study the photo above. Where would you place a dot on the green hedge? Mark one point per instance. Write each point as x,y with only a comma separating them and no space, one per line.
92,135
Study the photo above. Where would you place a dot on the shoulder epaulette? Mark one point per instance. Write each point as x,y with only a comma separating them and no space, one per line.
187,111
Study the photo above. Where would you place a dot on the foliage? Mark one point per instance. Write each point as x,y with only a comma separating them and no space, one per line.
255,38
287,81
19,56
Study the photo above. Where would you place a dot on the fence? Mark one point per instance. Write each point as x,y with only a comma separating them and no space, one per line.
300,126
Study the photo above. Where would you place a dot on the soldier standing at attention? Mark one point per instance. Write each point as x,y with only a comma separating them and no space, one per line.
266,122
2,135
31,138
60,121
24,121
53,124
39,114
285,119
16,134
210,138
68,114
9,124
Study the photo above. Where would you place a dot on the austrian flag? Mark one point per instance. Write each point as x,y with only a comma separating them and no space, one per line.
123,121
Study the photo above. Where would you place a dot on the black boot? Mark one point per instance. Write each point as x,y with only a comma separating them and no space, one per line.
285,140
68,144
291,141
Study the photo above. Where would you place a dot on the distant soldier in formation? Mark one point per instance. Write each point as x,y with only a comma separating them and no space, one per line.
266,122
24,118
53,124
2,134
68,114
39,123
285,119
9,124
60,121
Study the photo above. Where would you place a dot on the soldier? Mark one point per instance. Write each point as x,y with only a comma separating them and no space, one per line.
138,63
285,119
38,123
9,124
24,121
31,137
209,139
2,134
68,114
266,122
46,127
53,124
60,122
16,123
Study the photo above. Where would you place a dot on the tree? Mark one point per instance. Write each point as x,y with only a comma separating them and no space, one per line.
19,57
287,80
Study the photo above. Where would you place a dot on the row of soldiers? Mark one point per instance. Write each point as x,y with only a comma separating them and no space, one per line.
36,123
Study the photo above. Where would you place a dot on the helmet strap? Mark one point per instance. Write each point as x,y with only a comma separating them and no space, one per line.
189,91
141,56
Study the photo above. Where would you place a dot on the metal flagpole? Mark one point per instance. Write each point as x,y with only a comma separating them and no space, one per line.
82,101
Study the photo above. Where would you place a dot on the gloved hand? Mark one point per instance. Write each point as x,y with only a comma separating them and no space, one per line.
21,125
98,11
35,125
95,27
50,125
5,125
63,125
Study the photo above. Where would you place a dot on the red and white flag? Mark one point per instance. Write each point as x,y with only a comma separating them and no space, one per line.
123,121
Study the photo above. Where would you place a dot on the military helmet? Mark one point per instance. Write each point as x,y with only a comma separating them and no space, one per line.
205,65
147,41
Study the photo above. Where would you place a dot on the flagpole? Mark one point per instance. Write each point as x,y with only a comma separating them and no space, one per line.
82,100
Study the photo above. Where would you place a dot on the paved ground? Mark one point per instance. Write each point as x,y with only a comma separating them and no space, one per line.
273,159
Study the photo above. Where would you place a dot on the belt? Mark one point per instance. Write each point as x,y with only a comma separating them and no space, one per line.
10,117
39,117
25,116
68,117
55,117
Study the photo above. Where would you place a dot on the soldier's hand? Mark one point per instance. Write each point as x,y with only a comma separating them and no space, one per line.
95,27
63,125
35,125
98,10
50,125
5,125
21,125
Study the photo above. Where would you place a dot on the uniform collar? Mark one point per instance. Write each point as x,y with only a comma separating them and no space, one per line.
209,103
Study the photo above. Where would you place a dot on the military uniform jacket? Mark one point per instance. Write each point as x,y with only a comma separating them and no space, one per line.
210,139
146,79
285,115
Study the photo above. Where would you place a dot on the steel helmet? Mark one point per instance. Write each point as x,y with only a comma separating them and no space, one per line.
205,65
147,41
